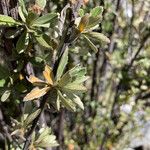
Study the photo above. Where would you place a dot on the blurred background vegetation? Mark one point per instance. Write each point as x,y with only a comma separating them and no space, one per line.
118,97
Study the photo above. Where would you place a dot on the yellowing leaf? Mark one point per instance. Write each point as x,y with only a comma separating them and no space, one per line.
36,93
83,23
48,74
36,81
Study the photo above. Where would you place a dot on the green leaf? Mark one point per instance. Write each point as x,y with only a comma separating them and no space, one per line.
45,139
22,10
31,117
92,46
93,21
75,88
43,21
21,14
22,4
58,103
98,37
66,78
81,12
43,132
75,75
81,79
23,42
48,141
43,40
5,95
62,64
74,71
41,3
8,21
96,11
31,18
78,101
2,82
67,102
75,99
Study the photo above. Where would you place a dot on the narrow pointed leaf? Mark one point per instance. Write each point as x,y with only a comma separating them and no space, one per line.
43,40
41,3
83,23
58,103
22,10
48,75
67,102
31,117
98,37
62,64
35,80
93,21
36,93
45,131
8,21
75,87
66,78
44,19
92,46
10,34
96,11
5,95
23,42
21,14
2,82
78,101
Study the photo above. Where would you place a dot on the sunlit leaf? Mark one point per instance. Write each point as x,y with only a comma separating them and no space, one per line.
81,12
22,10
44,19
58,103
36,93
22,4
48,141
96,11
45,139
41,3
2,82
36,81
62,64
5,95
43,132
78,101
67,102
75,99
8,21
75,88
48,75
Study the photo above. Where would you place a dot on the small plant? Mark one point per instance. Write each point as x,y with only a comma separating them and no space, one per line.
46,38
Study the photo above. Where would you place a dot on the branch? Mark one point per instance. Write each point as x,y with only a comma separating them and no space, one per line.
138,51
